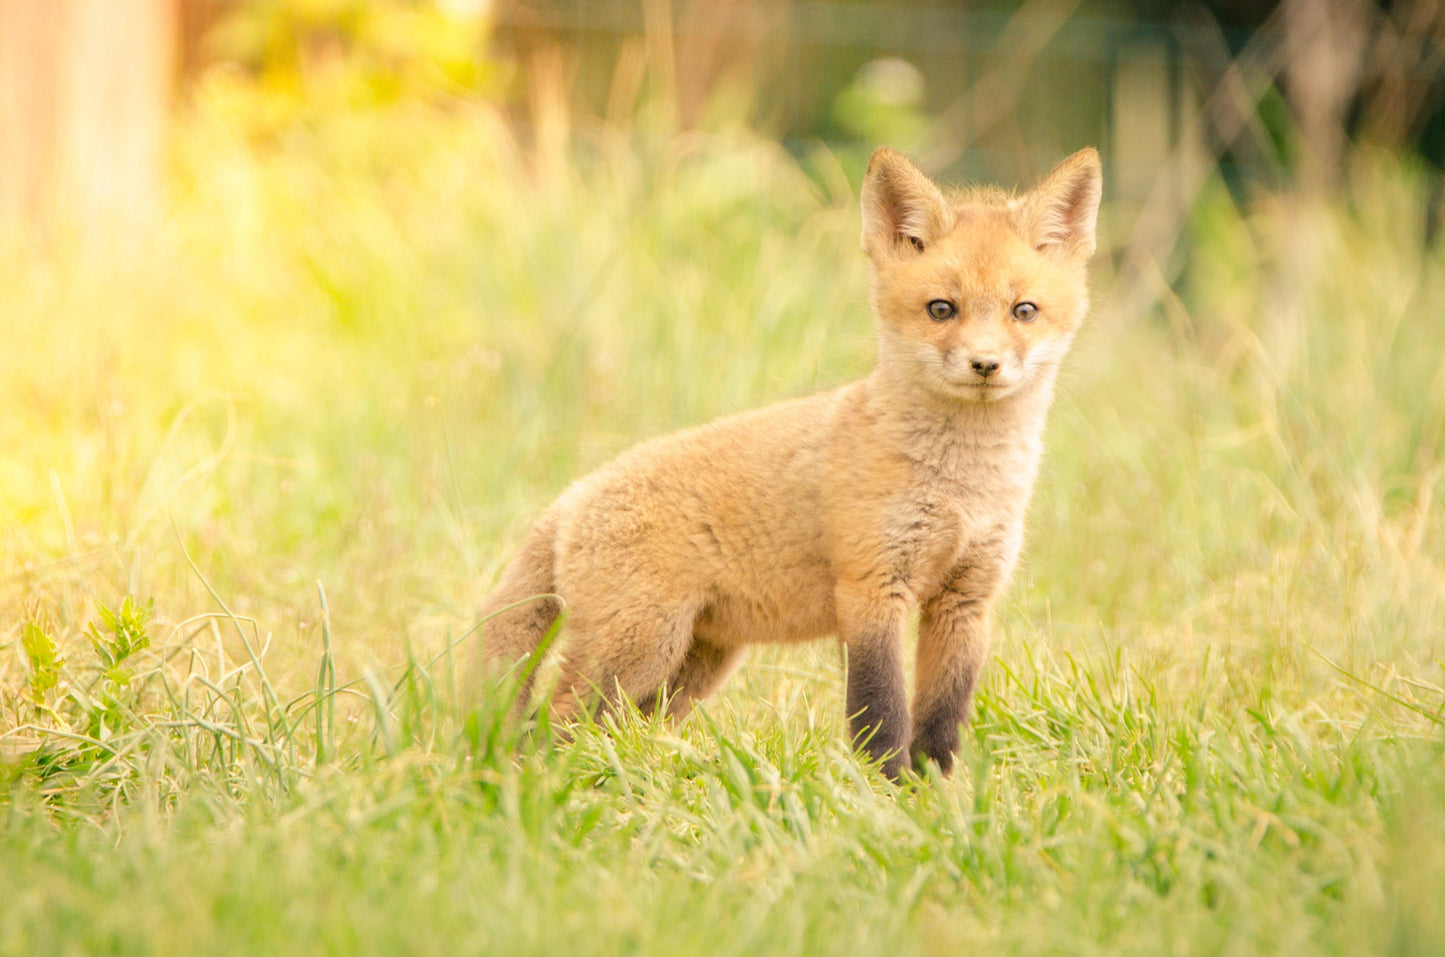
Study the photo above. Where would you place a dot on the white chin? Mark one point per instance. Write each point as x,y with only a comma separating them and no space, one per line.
982,391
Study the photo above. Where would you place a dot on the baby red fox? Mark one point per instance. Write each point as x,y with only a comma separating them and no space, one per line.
838,513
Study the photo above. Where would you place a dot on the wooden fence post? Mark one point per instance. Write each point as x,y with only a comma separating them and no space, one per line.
85,92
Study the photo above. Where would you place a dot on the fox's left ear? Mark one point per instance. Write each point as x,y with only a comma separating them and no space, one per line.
1061,212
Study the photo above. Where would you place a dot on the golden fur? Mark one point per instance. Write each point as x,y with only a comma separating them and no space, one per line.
839,513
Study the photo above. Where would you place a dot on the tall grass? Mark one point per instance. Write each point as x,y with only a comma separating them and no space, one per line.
364,349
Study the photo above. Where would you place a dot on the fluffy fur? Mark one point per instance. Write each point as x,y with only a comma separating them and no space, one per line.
840,513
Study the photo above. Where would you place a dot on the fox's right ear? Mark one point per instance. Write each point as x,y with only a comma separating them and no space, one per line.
901,206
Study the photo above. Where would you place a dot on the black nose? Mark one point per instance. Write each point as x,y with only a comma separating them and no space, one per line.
985,366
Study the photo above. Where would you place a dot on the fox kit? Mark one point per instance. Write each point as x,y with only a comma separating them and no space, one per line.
843,512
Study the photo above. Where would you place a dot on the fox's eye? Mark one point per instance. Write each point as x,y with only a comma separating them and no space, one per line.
1026,312
941,309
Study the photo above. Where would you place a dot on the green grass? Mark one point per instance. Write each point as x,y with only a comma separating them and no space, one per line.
309,413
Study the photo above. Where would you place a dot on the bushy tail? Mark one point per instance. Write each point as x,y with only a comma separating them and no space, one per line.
519,613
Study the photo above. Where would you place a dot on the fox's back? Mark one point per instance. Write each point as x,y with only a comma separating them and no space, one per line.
726,512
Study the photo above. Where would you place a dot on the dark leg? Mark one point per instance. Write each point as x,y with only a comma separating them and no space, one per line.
878,700
953,640
870,618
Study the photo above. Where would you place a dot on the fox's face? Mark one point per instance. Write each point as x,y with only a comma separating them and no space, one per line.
978,296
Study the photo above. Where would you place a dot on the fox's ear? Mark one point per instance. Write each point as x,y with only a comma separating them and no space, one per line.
1061,211
901,206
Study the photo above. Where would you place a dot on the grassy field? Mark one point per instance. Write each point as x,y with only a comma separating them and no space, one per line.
308,415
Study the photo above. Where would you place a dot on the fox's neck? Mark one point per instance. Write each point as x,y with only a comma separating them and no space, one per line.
965,439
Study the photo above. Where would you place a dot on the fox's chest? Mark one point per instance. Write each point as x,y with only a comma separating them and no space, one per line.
961,525
929,541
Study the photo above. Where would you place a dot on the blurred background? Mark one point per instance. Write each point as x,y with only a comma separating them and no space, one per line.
342,291
1266,92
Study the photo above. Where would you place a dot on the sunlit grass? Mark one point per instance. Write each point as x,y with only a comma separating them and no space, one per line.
362,353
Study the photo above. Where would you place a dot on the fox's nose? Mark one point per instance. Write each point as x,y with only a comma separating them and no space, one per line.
985,366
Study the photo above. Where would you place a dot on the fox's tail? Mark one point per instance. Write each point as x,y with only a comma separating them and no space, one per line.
520,611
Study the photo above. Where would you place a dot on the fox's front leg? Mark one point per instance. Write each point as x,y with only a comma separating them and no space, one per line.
872,631
953,641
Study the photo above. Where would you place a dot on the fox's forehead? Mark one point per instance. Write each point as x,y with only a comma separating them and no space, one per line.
985,226
986,249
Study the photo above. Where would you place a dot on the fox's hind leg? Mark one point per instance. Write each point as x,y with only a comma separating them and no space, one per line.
632,653
519,613
704,668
